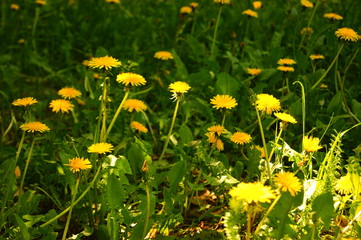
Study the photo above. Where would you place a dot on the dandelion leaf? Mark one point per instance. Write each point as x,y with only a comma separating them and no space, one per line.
115,192
185,134
176,175
322,205
227,85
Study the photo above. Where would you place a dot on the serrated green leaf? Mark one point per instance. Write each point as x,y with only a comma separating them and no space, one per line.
185,134
176,175
227,85
115,192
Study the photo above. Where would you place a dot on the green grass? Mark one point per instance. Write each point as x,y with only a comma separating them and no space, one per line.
171,182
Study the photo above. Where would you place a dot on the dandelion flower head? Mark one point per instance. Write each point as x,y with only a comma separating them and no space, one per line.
241,138
223,102
14,7
216,129
267,103
286,61
257,4
252,193
219,145
347,34
138,126
100,148
179,87
41,2
186,10
285,117
194,4
316,57
113,1
163,55
135,104
69,93
307,3
311,144
287,181
34,127
348,183
105,62
285,69
211,137
306,30
254,71
77,164
131,79
61,105
24,101
222,1
250,13
333,16
261,149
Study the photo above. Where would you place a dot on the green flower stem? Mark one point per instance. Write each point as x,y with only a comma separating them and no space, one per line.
276,141
11,179
329,68
25,170
71,208
74,117
248,234
103,133
267,213
150,128
224,118
303,111
117,112
215,32
145,229
265,147
170,130
309,23
75,202
35,24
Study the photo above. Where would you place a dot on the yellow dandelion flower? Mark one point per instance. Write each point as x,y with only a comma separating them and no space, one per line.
17,172
24,101
267,103
316,57
131,79
261,149
69,92
105,62
113,1
163,55
287,181
77,164
217,129
333,16
257,4
193,5
138,126
211,137
219,145
311,144
179,87
186,10
34,127
285,69
254,71
223,102
61,105
306,30
21,41
222,1
14,7
285,117
250,13
347,34
252,193
241,138
307,3
286,61
41,2
100,148
134,104
349,183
